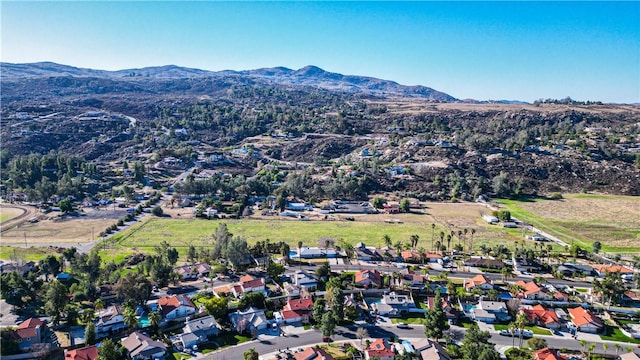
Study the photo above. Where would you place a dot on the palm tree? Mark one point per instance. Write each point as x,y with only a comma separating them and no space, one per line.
618,347
583,345
459,236
433,234
473,232
438,245
130,318
507,272
605,346
512,331
521,322
154,320
449,243
441,239
300,254
387,240
591,347
99,304
414,241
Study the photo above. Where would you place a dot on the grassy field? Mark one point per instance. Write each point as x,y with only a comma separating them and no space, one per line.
585,218
369,229
27,254
7,213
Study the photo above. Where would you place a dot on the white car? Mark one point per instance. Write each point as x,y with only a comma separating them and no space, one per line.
403,326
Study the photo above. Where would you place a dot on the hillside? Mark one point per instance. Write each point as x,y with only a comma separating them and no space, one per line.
345,136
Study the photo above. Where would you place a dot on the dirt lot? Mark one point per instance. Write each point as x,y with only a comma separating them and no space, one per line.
54,228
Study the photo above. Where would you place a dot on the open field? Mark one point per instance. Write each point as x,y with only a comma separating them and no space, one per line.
8,213
28,254
584,218
370,229
52,229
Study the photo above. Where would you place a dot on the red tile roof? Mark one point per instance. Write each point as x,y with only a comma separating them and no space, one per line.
169,303
312,353
85,353
541,314
581,317
290,314
371,275
547,354
30,323
379,348
299,304
476,281
612,268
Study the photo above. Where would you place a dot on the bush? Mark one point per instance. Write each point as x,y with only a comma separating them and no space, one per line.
518,354
157,211
556,196
537,343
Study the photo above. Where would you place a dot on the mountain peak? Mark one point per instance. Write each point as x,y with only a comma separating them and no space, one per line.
310,70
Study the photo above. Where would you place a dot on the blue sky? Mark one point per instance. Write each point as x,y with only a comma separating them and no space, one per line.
481,50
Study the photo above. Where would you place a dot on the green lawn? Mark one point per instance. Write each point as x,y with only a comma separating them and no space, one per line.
181,233
179,356
417,320
27,254
535,329
614,334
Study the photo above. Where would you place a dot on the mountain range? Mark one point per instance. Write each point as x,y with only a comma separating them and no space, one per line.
311,76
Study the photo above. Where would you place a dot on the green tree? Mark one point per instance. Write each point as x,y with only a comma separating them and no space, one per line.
157,211
318,308
597,246
405,205
154,320
275,270
436,320
65,205
252,299
251,354
378,203
328,324
130,319
236,252
56,300
217,306
521,322
133,287
537,343
221,238
49,265
110,350
90,334
475,343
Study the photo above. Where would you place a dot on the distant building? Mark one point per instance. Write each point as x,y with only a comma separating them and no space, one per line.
141,347
585,321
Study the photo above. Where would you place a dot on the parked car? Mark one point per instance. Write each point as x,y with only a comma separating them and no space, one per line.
505,333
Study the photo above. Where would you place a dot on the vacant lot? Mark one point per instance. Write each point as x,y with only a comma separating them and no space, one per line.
584,218
8,213
54,229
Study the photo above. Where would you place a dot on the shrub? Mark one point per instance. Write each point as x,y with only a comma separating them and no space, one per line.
556,196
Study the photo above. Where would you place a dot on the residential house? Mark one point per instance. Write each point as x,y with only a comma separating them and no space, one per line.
85,353
449,310
569,269
431,350
368,278
630,298
413,280
365,253
250,319
311,353
393,304
484,263
192,272
21,268
392,208
176,306
106,293
538,315
110,319
547,354
490,312
379,349
299,308
433,257
303,279
141,347
248,284
560,296
532,291
584,320
29,333
478,282
198,331
602,270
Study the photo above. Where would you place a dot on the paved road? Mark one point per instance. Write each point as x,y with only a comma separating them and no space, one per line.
270,344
